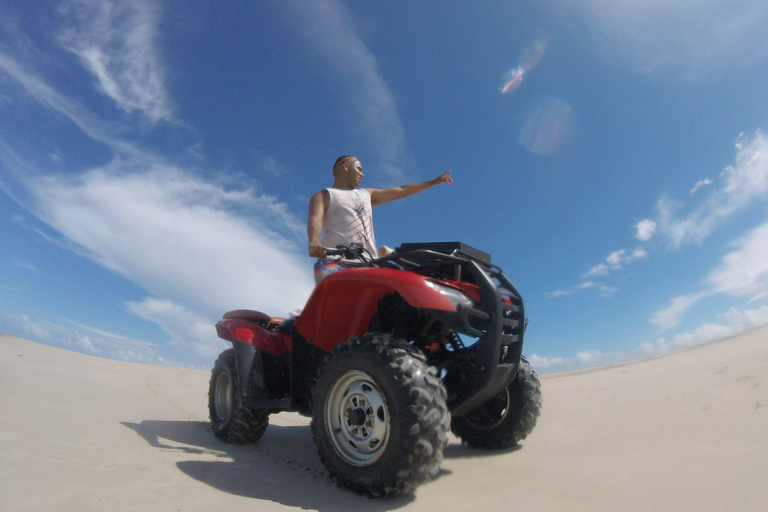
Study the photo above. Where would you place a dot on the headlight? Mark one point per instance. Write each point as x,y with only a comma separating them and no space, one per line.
455,296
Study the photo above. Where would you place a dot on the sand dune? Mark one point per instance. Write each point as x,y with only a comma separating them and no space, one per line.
687,431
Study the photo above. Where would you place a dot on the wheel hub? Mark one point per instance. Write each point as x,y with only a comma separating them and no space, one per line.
491,413
222,396
357,418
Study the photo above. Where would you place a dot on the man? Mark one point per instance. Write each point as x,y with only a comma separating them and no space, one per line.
341,214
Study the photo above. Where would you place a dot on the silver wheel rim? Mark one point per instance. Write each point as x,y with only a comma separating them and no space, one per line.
357,418
222,399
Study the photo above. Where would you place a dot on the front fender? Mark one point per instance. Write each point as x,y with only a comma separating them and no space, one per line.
343,303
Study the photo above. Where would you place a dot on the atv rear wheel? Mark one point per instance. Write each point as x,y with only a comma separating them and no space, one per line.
231,421
506,418
379,417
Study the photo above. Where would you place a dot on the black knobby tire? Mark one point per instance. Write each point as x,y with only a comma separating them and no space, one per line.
379,417
505,419
231,421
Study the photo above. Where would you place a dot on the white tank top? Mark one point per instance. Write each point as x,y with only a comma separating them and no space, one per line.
348,219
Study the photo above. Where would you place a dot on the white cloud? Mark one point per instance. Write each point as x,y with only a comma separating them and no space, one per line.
559,293
27,266
601,269
97,342
730,323
590,357
328,25
585,359
689,39
744,271
670,316
741,184
605,291
184,240
545,363
615,261
702,183
182,325
196,246
115,41
645,229
40,91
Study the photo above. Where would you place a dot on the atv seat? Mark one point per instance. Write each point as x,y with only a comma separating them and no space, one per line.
248,314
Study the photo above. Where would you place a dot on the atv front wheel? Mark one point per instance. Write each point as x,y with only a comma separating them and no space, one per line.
379,417
506,418
231,421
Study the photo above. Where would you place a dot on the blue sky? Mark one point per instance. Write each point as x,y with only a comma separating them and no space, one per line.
157,158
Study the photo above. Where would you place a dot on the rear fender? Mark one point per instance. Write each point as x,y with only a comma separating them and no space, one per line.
255,346
343,304
272,342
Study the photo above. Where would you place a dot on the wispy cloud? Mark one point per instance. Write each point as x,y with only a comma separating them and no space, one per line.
670,316
730,323
615,261
37,89
197,246
27,266
180,237
702,183
329,28
689,39
744,271
88,340
738,186
115,41
603,290
584,359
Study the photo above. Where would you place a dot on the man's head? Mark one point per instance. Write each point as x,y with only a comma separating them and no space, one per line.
347,172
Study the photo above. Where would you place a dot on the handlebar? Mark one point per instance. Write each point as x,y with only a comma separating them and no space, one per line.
349,252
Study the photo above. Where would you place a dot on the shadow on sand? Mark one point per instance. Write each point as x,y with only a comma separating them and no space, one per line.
282,467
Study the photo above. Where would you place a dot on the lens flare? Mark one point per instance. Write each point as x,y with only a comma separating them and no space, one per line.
528,60
512,80
532,55
546,126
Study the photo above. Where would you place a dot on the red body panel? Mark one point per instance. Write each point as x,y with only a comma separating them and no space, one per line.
344,302
272,341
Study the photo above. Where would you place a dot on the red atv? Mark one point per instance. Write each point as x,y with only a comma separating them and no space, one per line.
386,358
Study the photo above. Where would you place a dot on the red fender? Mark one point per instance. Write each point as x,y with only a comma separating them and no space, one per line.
273,342
344,302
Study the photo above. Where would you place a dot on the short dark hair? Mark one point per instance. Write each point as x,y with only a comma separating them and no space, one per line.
341,161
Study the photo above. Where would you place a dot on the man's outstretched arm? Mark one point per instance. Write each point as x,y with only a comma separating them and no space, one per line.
385,195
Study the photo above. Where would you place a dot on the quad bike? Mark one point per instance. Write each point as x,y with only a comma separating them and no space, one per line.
385,358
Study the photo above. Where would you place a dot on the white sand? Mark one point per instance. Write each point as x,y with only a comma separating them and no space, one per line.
687,431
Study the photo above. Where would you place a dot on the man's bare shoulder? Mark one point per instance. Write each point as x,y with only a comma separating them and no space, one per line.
321,196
